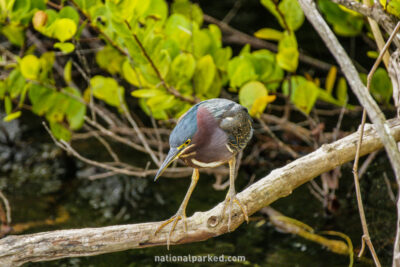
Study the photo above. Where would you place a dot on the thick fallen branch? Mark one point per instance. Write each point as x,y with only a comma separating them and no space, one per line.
16,250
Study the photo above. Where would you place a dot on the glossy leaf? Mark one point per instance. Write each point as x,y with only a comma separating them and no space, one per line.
12,116
67,72
303,93
15,83
63,29
7,105
344,23
3,89
107,89
330,79
288,54
59,131
110,59
269,34
65,47
182,68
30,67
69,12
147,93
381,86
75,110
240,71
249,93
204,74
341,90
14,33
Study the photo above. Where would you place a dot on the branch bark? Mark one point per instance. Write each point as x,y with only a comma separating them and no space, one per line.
16,250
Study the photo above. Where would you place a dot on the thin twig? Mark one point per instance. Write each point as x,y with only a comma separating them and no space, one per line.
7,206
366,237
285,147
105,144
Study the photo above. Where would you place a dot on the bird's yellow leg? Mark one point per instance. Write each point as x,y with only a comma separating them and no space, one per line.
181,213
231,196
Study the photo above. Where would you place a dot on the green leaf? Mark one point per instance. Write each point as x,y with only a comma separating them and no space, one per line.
69,12
133,76
30,67
344,23
75,110
108,90
15,83
330,79
179,29
47,61
288,54
189,10
204,74
41,98
110,59
304,93
381,86
249,93
240,71
292,13
7,105
372,54
3,89
14,33
12,116
156,8
57,107
63,29
60,132
341,91
67,72
147,93
269,34
221,57
267,69
65,47
161,102
182,68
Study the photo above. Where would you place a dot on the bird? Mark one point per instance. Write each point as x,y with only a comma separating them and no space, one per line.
209,134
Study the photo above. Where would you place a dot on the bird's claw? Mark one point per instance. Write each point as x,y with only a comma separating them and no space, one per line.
231,197
180,215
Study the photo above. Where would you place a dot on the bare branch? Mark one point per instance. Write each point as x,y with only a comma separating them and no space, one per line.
16,250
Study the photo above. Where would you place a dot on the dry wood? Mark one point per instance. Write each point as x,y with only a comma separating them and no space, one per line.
16,250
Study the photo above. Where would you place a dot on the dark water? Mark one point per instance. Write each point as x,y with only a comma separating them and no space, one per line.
40,180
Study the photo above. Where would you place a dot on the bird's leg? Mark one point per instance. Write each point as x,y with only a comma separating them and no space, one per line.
181,213
231,196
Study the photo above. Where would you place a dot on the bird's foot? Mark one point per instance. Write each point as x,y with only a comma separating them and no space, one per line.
229,200
180,215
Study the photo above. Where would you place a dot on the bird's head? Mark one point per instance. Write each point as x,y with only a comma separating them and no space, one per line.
181,138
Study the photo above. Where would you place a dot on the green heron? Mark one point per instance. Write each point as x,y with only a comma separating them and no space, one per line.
208,135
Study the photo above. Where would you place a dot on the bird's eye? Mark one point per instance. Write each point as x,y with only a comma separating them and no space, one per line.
187,142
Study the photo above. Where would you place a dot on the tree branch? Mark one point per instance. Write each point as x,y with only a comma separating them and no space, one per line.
16,250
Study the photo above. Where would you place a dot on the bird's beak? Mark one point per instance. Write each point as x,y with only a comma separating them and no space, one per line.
172,155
